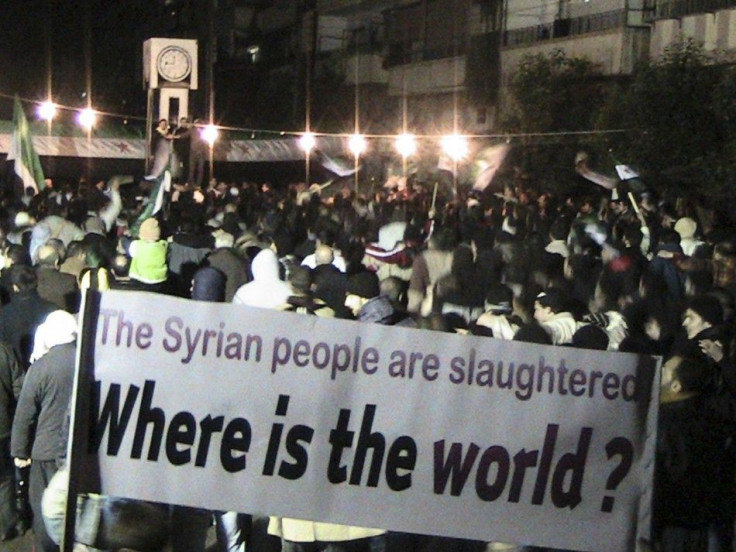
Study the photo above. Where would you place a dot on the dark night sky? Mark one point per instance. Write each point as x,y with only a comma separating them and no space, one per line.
106,35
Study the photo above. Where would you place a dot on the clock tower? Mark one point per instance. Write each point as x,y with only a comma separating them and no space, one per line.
170,67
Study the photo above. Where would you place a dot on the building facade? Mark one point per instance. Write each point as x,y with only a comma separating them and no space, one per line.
429,66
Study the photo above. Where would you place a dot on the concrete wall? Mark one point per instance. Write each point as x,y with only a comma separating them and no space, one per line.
716,31
427,77
369,69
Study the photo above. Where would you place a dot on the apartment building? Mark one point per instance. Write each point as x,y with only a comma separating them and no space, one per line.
436,65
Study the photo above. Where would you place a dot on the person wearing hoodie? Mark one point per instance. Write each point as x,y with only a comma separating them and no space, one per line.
266,290
690,244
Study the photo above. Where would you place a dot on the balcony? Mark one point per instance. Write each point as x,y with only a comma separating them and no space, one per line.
351,7
675,9
568,27
401,53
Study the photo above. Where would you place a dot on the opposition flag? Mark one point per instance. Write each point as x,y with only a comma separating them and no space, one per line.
490,159
445,163
625,172
581,167
155,202
336,166
630,177
26,162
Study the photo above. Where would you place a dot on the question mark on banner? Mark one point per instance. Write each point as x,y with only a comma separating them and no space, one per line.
619,446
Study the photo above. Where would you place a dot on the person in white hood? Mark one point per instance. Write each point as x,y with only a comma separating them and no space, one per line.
266,290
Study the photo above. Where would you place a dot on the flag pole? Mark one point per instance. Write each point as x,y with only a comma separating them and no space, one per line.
632,199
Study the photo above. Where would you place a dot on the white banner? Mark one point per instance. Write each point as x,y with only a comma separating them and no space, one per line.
234,408
285,149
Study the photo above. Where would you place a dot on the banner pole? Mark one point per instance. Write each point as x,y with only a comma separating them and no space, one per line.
80,409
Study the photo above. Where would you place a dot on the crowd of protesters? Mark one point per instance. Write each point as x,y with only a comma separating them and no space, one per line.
629,272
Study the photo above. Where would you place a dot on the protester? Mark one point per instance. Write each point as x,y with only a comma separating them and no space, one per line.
11,378
53,285
43,405
527,265
363,297
551,313
148,254
267,289
25,312
694,484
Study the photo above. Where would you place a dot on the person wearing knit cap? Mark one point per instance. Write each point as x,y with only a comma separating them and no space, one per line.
363,298
150,230
208,284
148,257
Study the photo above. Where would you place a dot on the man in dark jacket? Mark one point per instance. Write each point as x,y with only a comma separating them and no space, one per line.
11,378
59,288
693,482
233,265
38,428
26,310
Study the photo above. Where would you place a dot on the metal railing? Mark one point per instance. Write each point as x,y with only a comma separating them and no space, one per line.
567,27
674,9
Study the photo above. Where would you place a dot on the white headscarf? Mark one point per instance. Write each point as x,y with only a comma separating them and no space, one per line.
59,328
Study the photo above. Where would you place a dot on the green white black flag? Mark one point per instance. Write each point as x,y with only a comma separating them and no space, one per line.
27,165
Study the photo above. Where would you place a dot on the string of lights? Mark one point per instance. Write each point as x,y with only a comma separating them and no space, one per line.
455,145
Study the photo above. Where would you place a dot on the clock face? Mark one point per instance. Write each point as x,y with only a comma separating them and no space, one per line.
174,63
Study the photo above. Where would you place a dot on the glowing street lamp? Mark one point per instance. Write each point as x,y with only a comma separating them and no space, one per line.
307,141
210,134
47,110
87,118
357,144
455,146
406,145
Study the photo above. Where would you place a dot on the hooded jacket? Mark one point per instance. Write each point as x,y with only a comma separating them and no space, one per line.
266,290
